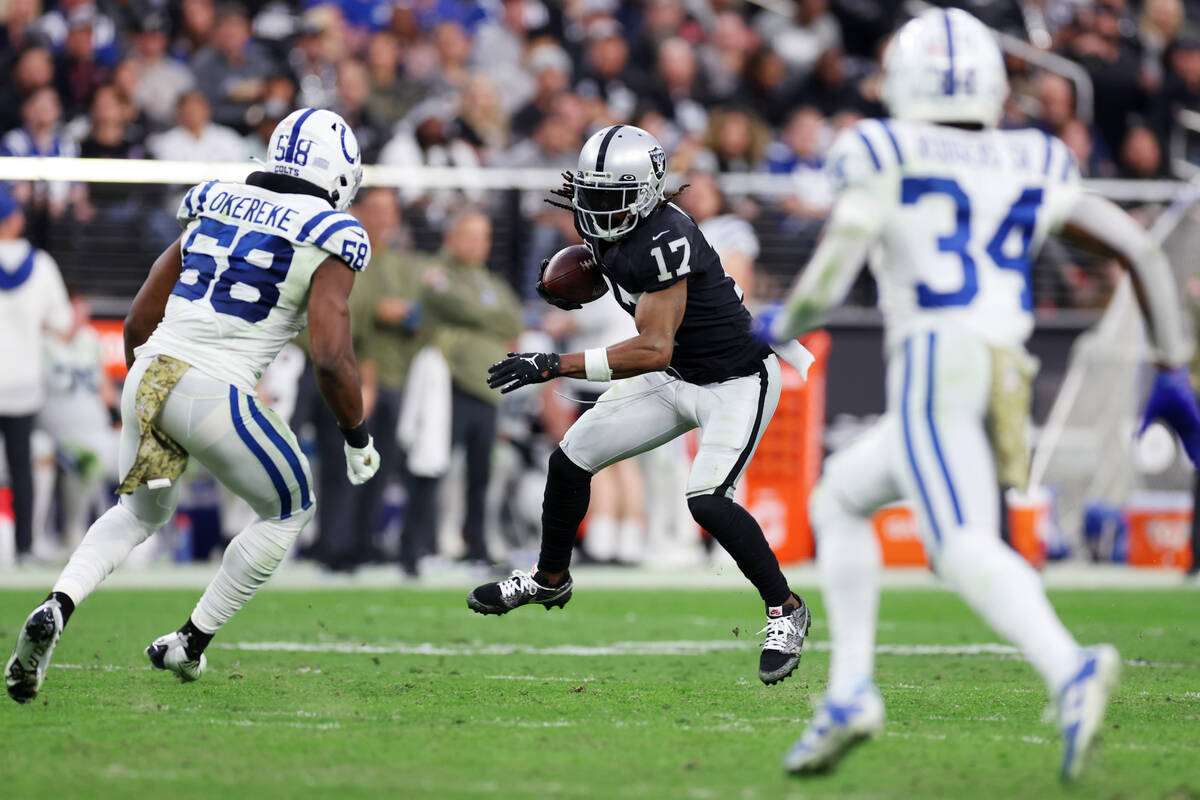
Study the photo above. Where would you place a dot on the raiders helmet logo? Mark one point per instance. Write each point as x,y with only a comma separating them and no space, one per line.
658,161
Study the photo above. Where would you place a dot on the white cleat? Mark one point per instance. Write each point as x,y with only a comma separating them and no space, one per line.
170,653
26,667
834,730
1081,705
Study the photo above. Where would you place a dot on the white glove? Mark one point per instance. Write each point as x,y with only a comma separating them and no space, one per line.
361,462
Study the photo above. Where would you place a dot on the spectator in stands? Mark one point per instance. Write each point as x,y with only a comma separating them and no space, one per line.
735,140
1078,139
800,152
499,50
482,118
263,117
125,77
353,90
232,72
832,89
1141,156
316,54
1161,23
33,301
802,38
725,57
161,80
386,299
731,236
55,26
1056,99
76,72
18,32
196,137
108,137
473,318
392,93
551,69
1181,89
33,69
661,20
678,93
452,45
607,73
198,20
771,90
41,135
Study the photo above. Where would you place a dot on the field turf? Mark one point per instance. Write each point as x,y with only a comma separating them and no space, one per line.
406,694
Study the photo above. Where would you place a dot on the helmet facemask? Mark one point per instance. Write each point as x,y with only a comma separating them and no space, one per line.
605,209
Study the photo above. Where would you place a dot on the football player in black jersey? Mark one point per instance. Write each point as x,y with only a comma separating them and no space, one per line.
693,364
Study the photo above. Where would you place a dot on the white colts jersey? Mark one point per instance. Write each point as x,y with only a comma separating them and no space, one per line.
249,255
959,216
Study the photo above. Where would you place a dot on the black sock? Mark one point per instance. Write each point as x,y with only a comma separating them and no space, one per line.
568,492
738,532
66,603
197,639
540,577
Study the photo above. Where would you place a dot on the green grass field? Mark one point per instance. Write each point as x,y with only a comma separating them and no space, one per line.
406,694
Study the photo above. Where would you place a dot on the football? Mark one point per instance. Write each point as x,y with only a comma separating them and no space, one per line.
572,275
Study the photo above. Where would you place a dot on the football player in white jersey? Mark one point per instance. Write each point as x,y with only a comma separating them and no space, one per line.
255,262
951,211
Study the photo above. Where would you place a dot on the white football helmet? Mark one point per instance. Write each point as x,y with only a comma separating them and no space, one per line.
619,180
945,66
316,145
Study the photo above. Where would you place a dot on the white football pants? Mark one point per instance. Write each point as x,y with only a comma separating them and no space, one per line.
930,449
641,413
248,449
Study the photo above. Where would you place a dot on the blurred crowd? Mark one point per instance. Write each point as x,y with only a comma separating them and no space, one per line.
726,85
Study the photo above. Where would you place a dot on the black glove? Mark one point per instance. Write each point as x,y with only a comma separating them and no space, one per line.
558,302
520,369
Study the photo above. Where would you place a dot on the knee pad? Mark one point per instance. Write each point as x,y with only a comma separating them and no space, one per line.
564,471
710,510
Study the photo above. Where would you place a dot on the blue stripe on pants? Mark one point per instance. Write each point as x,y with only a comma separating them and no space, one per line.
908,445
285,496
289,454
937,445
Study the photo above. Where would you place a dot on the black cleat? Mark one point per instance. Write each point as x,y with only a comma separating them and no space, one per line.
519,590
784,643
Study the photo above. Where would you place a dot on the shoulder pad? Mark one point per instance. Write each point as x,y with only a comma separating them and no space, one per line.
664,250
862,152
340,235
193,202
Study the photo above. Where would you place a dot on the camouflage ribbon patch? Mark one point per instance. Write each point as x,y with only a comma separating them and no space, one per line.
1009,406
159,457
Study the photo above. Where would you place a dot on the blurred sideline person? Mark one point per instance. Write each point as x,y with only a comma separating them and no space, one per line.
254,260
387,301
693,364
472,316
954,210
616,521
33,301
78,414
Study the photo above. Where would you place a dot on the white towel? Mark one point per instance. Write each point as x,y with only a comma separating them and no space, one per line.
424,427
795,354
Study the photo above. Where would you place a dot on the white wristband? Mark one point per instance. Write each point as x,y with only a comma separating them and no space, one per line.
595,364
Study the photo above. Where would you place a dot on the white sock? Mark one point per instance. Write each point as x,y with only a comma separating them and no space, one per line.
849,562
631,537
600,540
250,560
1007,593
105,546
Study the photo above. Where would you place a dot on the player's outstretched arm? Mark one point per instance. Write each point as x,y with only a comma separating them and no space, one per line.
334,365
658,317
151,301
829,274
1097,224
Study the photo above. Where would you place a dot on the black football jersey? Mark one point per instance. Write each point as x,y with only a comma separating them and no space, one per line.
713,342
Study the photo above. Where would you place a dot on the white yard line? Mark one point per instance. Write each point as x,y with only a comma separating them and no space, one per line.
665,648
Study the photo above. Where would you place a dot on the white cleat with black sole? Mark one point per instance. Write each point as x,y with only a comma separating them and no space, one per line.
834,730
26,667
1081,704
170,653
784,644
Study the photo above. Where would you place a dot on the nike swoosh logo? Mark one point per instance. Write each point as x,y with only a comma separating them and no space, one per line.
658,236
358,232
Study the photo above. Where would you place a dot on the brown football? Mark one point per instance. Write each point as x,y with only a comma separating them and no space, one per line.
572,275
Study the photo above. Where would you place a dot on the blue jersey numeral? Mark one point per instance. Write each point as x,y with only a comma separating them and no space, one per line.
1021,217
240,270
